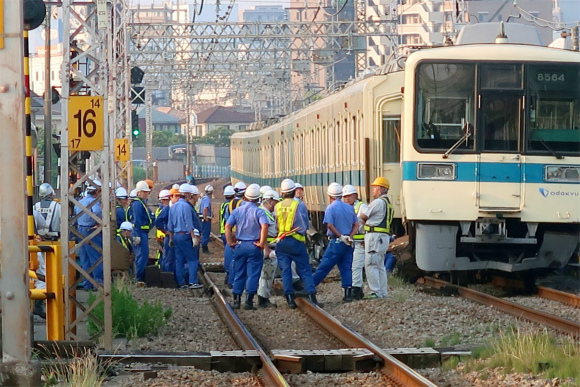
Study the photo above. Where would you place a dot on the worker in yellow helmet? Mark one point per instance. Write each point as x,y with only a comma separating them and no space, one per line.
377,218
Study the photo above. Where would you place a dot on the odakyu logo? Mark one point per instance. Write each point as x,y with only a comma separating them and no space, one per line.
545,193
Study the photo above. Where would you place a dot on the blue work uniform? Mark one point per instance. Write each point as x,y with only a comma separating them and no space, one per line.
228,251
88,253
142,223
292,248
168,258
121,215
181,224
337,253
205,225
247,258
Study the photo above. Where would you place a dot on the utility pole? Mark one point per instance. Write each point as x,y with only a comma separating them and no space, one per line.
47,101
148,133
16,368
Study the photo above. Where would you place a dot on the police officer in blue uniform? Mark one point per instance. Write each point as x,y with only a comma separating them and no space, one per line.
142,223
292,222
341,224
249,241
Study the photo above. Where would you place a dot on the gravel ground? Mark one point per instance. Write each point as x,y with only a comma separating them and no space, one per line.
552,307
188,377
310,379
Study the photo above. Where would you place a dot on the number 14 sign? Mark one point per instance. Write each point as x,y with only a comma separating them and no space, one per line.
85,123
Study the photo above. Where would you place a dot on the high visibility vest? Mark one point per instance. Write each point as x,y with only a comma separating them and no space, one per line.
160,234
285,214
234,203
357,206
385,225
270,239
146,227
124,220
222,219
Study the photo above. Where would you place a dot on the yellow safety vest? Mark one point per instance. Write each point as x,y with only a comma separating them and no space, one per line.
272,219
359,237
148,215
285,214
160,234
222,220
385,225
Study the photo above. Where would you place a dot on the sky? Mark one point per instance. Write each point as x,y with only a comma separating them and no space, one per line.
242,4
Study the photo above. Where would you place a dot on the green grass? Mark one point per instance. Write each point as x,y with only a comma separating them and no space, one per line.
535,352
450,340
130,319
400,288
429,342
82,370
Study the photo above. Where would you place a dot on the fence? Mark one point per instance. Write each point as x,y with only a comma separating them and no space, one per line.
211,171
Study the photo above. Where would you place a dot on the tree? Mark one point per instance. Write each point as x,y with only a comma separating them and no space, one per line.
218,137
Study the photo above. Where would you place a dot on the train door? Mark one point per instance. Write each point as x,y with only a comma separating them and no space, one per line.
500,125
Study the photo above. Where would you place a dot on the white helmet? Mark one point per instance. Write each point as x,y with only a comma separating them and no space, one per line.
208,188
142,186
164,194
229,191
334,190
195,190
287,186
93,187
133,194
264,189
126,226
121,193
240,187
298,185
45,190
271,194
253,192
186,188
176,186
348,190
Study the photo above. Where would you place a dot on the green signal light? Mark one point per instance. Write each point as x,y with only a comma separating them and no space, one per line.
136,132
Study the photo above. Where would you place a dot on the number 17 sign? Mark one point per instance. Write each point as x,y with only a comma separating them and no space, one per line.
85,123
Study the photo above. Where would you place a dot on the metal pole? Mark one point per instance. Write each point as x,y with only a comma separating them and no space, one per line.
47,102
148,133
16,345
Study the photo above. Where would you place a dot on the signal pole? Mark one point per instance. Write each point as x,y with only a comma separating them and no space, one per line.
47,101
16,368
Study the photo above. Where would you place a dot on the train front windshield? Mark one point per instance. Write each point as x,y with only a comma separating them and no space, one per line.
498,107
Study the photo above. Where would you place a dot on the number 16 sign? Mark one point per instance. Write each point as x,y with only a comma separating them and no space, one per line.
85,123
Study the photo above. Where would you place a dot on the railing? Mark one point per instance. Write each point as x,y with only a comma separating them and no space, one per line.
211,171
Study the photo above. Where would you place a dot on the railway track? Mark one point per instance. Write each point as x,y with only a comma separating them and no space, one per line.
557,295
557,323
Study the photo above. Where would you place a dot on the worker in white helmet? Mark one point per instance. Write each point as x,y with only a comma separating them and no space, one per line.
206,215
142,224
350,197
292,221
248,242
299,192
88,255
124,236
161,215
229,194
269,200
341,225
50,210
121,207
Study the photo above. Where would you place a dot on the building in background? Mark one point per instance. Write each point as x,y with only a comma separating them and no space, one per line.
265,13
221,117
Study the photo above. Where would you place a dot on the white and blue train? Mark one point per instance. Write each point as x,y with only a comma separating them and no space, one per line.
480,142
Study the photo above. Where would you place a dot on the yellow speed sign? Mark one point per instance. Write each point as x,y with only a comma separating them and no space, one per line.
85,123
122,149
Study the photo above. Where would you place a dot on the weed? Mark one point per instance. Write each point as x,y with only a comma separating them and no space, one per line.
450,363
82,370
450,340
400,288
429,342
130,319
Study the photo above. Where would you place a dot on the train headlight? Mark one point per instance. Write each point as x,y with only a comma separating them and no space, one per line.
563,173
428,171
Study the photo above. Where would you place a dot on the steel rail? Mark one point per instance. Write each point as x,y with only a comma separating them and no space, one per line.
392,368
269,373
557,295
557,323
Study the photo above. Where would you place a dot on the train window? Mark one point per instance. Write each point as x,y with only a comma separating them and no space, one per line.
501,76
445,105
553,108
391,139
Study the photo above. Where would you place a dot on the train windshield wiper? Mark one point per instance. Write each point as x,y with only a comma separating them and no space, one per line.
552,151
465,137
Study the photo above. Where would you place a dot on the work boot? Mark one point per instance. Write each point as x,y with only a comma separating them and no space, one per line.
312,298
347,295
264,302
357,293
205,249
249,302
290,299
237,301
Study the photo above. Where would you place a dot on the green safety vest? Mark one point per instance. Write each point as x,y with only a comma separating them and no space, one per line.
358,237
385,225
160,234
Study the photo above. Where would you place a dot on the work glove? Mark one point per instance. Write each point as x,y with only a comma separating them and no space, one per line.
346,239
136,240
272,254
195,242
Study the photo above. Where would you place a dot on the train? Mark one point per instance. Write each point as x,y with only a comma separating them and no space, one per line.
480,143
